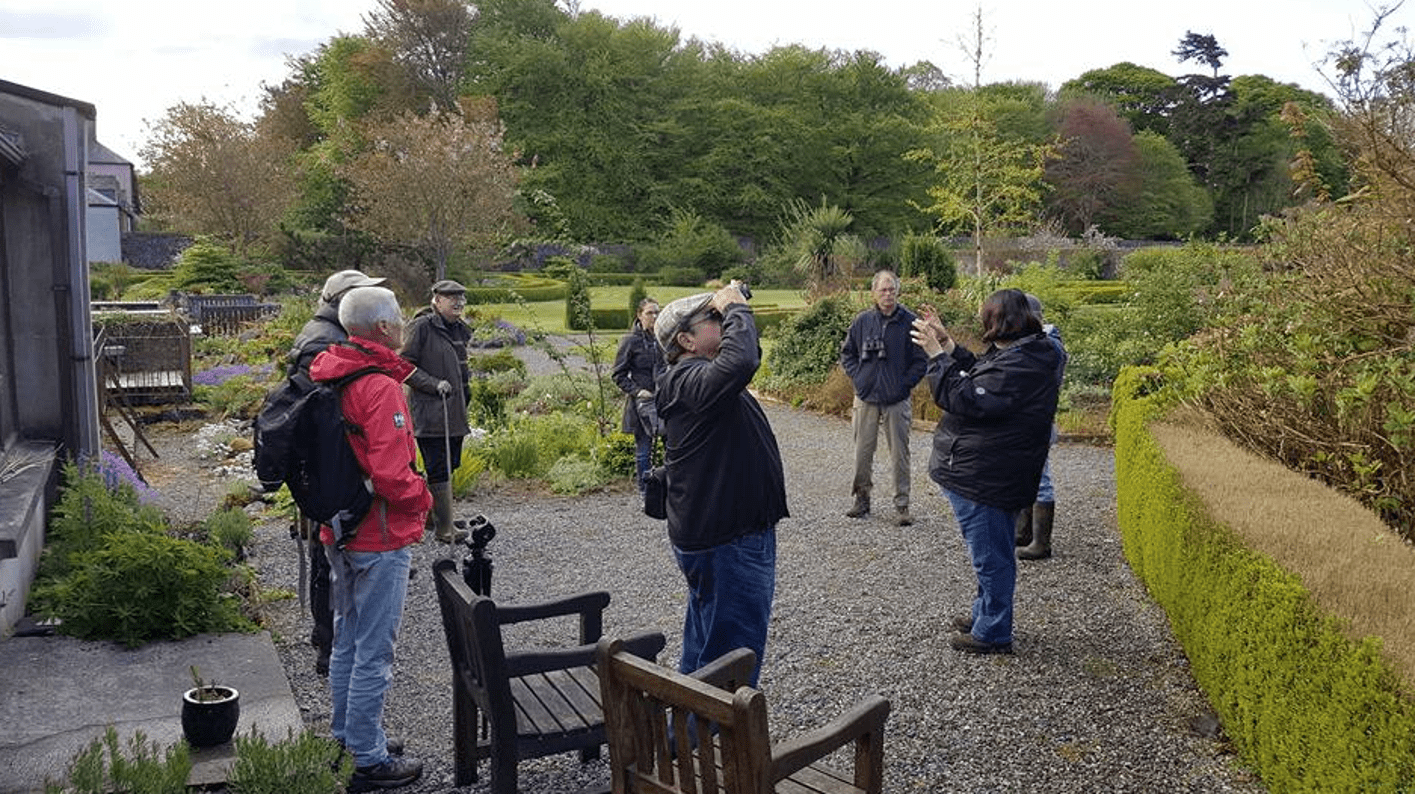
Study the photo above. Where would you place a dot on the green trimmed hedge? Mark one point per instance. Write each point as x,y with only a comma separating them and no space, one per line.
1306,708
1091,293
768,317
533,289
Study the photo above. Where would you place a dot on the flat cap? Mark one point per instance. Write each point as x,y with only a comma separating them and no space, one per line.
336,285
448,287
674,317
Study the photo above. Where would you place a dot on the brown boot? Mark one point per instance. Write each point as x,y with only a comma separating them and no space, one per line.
1024,527
1043,514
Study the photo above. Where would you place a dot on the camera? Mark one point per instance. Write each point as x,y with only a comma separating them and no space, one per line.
744,289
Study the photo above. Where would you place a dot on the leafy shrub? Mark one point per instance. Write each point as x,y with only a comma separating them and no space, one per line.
304,764
926,256
91,506
208,267
616,455
560,268
682,276
135,587
575,474
469,471
577,302
102,767
691,243
548,394
513,454
808,343
237,396
230,529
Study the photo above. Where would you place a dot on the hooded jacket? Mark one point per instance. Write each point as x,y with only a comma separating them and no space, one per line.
438,349
384,444
992,440
637,365
724,468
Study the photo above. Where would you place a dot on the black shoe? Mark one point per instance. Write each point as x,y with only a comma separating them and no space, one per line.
963,624
902,517
970,644
861,508
321,660
396,771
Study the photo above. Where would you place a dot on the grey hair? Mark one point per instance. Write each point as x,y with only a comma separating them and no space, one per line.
1035,304
893,277
363,308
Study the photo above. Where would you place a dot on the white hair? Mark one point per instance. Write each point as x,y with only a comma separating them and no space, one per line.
363,308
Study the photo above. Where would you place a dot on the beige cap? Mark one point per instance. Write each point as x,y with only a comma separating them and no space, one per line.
336,285
674,317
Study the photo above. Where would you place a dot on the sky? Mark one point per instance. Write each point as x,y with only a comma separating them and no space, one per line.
135,59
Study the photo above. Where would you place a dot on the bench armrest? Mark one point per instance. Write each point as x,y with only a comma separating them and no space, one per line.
728,671
589,606
866,718
645,645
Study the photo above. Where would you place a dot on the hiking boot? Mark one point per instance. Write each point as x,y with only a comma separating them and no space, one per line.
963,624
970,644
321,661
902,517
861,508
396,771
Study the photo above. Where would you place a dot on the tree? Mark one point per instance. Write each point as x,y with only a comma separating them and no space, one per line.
1142,96
429,38
214,173
1096,167
1202,48
984,181
436,183
1166,203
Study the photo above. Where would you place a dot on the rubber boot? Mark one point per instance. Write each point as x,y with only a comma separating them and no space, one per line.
1024,527
322,636
442,513
1040,548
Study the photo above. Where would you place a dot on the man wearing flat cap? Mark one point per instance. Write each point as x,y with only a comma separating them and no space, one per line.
726,489
435,341
322,330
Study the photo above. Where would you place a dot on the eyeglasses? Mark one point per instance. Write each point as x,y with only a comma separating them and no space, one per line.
698,319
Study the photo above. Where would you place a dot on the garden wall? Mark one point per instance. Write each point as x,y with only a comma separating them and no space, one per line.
1315,696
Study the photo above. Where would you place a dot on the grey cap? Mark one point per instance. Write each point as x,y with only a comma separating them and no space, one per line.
336,285
674,317
448,287
1035,304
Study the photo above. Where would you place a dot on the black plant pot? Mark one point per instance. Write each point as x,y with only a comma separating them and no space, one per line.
210,714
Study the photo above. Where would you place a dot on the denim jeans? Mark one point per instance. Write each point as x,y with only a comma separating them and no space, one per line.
990,535
730,589
643,455
1044,489
367,593
898,419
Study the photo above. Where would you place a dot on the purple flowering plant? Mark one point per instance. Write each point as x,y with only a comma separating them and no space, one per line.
117,474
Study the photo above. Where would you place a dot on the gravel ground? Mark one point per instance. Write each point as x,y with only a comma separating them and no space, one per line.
1097,698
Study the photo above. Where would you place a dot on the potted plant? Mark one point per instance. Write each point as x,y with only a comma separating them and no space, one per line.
209,712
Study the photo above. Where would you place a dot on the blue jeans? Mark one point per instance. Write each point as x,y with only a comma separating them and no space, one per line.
643,455
730,588
367,590
1044,489
990,535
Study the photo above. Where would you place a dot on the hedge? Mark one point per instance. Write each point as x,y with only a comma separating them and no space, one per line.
1307,708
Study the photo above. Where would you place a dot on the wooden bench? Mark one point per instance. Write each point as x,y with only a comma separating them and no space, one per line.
513,705
706,734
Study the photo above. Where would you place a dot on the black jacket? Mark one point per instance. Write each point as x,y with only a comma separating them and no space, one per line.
724,468
992,441
319,332
880,356
637,364
438,349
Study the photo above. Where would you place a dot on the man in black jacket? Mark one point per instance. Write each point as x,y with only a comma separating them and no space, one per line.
321,331
726,488
884,364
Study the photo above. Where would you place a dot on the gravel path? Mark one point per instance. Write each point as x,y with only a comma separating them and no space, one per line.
1097,698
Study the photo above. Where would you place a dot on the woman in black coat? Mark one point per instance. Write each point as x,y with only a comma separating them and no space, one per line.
990,446
636,366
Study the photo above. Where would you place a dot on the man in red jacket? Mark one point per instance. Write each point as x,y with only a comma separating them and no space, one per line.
369,575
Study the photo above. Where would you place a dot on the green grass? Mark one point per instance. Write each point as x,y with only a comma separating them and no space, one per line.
549,316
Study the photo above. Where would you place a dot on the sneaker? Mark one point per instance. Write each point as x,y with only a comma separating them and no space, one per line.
963,624
861,508
902,518
396,771
970,644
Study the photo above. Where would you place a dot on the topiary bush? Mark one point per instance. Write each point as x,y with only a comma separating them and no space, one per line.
808,343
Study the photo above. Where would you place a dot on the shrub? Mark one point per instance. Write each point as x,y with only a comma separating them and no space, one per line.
102,767
230,529
93,504
208,267
575,474
304,764
691,243
808,343
682,276
135,587
926,256
616,455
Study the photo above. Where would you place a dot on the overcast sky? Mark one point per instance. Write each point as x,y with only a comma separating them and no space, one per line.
135,59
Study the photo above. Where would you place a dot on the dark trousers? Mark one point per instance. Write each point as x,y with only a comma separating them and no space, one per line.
322,635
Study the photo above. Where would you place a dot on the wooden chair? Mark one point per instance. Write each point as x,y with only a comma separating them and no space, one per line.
509,706
676,734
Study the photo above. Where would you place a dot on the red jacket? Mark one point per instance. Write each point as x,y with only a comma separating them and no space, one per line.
386,449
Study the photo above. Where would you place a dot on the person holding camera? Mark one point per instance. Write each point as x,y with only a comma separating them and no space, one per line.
884,366
726,488
989,447
637,365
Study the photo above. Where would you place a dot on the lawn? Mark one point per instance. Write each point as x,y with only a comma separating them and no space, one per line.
549,316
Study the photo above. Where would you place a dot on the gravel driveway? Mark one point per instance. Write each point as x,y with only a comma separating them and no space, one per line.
1097,698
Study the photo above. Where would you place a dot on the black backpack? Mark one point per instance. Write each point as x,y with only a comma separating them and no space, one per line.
301,440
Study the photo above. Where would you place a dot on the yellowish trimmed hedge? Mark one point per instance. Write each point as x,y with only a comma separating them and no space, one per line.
1307,708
